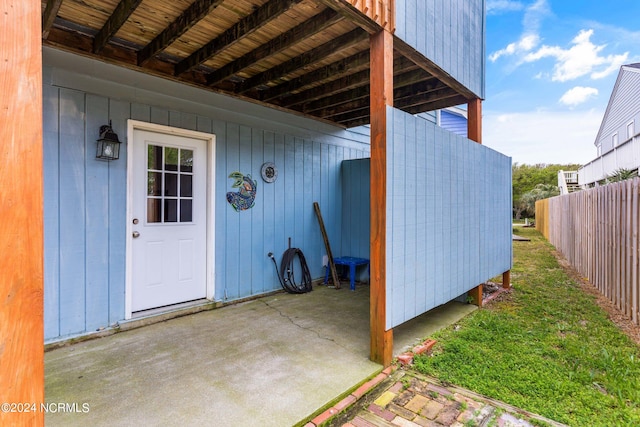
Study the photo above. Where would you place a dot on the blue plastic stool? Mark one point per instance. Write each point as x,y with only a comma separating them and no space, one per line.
350,261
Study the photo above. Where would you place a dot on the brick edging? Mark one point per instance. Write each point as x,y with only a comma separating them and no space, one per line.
365,388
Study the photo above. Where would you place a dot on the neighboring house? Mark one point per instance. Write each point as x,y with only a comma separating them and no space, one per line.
203,95
617,141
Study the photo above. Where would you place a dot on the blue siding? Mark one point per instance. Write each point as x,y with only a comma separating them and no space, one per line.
448,216
450,33
453,123
356,221
85,203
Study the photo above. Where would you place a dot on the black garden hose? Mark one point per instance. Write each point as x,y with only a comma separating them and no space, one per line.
286,274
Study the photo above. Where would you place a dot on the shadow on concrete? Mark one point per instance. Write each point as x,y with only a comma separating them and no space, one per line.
273,361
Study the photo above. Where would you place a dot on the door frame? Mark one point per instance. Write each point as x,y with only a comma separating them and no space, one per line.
210,140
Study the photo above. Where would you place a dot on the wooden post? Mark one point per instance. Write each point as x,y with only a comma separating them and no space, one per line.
474,133
381,97
506,279
21,213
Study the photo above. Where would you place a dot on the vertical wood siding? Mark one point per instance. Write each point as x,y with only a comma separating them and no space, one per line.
449,216
453,123
85,205
622,108
356,222
597,232
450,33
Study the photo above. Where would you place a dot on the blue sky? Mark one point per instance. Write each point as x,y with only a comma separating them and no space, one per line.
550,69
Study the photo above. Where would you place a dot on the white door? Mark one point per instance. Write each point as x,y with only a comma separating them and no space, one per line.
169,220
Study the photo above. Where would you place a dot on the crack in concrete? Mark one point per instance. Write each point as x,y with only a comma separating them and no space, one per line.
303,327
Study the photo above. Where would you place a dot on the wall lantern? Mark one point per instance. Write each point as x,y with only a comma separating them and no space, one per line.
108,144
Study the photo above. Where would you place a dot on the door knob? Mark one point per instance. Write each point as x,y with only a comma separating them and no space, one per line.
136,234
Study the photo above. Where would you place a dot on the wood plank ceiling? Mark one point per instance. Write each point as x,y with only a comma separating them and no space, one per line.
298,55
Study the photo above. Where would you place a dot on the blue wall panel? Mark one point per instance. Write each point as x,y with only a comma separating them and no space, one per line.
450,33
72,222
85,203
454,233
50,168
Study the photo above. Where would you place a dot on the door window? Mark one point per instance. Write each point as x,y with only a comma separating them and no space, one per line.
169,184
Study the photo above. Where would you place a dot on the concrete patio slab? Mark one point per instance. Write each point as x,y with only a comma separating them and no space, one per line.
273,361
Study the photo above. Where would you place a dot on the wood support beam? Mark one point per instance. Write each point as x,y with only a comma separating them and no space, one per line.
327,89
49,15
474,120
123,10
353,14
506,279
305,59
339,68
247,25
476,295
381,96
191,16
21,212
285,40
474,133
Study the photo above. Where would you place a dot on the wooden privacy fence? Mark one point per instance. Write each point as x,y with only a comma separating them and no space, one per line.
597,232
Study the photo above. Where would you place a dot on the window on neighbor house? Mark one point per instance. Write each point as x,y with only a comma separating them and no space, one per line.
630,130
614,139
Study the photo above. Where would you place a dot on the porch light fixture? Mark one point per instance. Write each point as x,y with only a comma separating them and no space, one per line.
108,144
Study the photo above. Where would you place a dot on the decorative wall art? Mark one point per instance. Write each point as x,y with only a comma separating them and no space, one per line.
244,198
269,172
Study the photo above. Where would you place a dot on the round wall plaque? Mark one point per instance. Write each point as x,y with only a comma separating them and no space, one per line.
269,172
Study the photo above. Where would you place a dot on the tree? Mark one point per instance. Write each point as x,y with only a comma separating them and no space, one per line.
525,178
540,191
622,174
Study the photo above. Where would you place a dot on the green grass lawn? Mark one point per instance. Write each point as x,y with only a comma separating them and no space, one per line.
546,347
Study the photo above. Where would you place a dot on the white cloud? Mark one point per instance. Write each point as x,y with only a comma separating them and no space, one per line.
543,136
582,58
530,38
578,95
525,44
497,6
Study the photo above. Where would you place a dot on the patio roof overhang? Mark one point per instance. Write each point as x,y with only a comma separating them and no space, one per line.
306,56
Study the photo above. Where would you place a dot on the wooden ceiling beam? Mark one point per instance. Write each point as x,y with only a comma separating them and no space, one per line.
327,89
247,25
305,59
353,14
357,105
49,15
337,99
285,40
335,69
191,16
123,10
356,122
399,93
417,104
406,72
455,99
347,116
421,87
425,98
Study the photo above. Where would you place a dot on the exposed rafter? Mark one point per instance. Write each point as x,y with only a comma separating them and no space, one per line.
123,10
327,89
285,40
338,68
311,57
49,15
262,16
198,10
307,58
